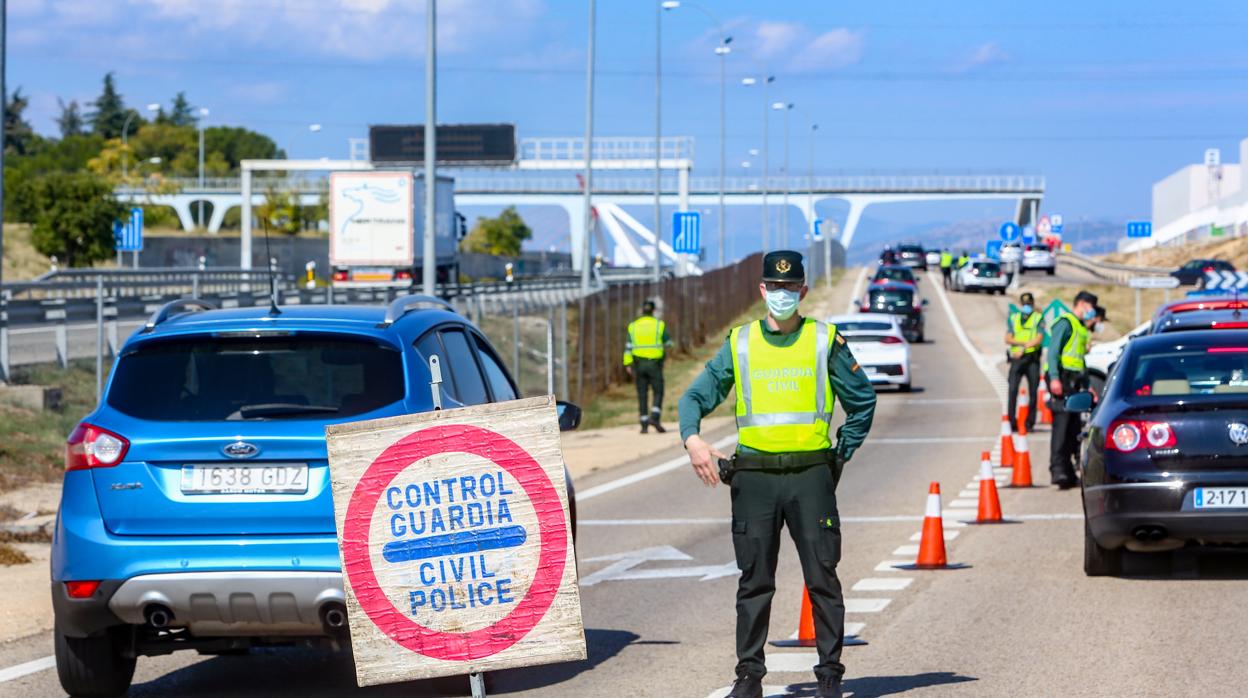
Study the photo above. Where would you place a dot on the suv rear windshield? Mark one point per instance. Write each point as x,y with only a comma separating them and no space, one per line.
1190,371
237,378
895,274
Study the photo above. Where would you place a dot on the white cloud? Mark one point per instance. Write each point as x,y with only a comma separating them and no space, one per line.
265,93
985,54
774,39
834,49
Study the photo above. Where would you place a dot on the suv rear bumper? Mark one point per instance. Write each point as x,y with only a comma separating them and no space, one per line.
209,604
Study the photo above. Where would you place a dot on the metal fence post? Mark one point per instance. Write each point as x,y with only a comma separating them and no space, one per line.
57,315
563,350
110,312
99,337
550,353
4,337
515,337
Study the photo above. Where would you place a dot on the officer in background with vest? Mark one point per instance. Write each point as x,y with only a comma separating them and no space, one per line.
946,265
1023,335
643,359
788,371
1067,375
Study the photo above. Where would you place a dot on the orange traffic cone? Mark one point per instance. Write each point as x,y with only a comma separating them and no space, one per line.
932,543
1022,460
1042,402
1024,406
1007,443
989,503
806,628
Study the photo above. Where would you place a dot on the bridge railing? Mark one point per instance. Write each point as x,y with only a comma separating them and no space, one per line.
605,148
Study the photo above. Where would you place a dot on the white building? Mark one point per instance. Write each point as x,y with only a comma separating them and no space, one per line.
1199,201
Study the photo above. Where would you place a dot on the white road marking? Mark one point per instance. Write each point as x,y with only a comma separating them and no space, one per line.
768,692
986,366
948,400
854,628
27,668
654,522
963,504
866,605
882,584
968,493
791,662
949,535
900,518
890,566
906,551
852,307
655,471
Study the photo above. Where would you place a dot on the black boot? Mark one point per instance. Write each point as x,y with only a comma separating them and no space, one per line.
654,422
746,687
645,424
830,687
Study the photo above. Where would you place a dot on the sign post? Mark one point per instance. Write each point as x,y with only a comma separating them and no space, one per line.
456,548
1142,282
128,236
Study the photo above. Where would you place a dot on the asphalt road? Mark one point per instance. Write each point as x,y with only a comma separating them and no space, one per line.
1023,620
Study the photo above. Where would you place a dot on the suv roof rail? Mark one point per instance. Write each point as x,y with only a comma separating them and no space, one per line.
406,304
166,310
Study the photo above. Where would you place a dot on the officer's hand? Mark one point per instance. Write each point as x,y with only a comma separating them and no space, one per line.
1055,387
629,371
704,459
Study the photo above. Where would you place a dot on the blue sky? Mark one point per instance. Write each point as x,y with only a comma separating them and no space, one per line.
1103,98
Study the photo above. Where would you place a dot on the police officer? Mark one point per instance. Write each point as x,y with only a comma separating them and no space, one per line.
643,359
788,371
946,265
1024,334
1067,375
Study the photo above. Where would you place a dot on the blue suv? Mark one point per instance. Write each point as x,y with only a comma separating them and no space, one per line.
196,509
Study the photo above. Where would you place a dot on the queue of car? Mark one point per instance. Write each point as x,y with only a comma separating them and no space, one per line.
1164,461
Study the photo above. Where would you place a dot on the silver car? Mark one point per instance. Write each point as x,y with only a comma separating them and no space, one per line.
981,274
1038,258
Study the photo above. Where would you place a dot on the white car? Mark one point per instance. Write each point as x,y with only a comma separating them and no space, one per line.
879,346
981,274
1011,253
1101,356
1038,258
933,259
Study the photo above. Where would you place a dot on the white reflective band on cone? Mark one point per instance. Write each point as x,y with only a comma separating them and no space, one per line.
933,506
1024,400
1020,443
985,470
1017,439
1005,428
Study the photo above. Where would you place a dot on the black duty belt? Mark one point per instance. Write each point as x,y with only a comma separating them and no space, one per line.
773,462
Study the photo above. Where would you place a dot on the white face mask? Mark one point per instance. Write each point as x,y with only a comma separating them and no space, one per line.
782,304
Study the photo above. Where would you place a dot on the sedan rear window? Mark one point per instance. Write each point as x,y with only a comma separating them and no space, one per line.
858,326
987,268
240,378
1190,371
890,299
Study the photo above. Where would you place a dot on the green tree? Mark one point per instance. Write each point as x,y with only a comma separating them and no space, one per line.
109,110
74,216
502,236
19,137
280,211
236,144
181,113
70,121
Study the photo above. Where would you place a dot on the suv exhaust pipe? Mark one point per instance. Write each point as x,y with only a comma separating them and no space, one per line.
158,616
334,617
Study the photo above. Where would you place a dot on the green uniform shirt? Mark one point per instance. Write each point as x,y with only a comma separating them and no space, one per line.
1057,339
853,390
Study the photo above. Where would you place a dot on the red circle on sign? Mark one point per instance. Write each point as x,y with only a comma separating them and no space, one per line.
552,557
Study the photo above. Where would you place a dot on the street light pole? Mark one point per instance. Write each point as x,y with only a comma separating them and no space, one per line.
583,253
658,132
203,114
784,218
431,144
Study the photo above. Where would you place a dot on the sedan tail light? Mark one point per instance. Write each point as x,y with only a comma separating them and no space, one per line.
89,446
1126,435
890,340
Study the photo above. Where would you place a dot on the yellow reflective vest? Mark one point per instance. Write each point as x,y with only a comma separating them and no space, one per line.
1076,347
784,394
645,339
1024,332
946,260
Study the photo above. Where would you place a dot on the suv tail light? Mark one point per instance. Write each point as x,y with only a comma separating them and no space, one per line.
82,589
1126,435
89,446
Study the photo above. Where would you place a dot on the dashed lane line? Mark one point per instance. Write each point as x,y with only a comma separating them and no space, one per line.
866,605
882,584
949,535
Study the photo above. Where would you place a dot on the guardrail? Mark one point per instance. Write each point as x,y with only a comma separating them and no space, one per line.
1110,271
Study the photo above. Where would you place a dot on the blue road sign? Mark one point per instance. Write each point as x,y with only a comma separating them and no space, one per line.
817,234
1009,231
993,249
128,236
1055,223
1140,229
1029,235
687,232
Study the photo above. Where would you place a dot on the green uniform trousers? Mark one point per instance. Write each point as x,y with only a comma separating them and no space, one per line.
648,373
805,500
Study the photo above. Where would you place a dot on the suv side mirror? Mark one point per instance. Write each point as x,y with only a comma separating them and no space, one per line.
1079,402
569,415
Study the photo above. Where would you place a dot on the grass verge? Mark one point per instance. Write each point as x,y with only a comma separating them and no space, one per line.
32,443
1118,301
618,405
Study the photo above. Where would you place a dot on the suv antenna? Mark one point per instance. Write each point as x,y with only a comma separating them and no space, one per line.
274,311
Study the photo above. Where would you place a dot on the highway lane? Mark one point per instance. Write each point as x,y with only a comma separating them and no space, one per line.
1023,621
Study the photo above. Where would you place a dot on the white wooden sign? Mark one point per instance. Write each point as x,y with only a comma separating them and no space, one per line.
456,548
